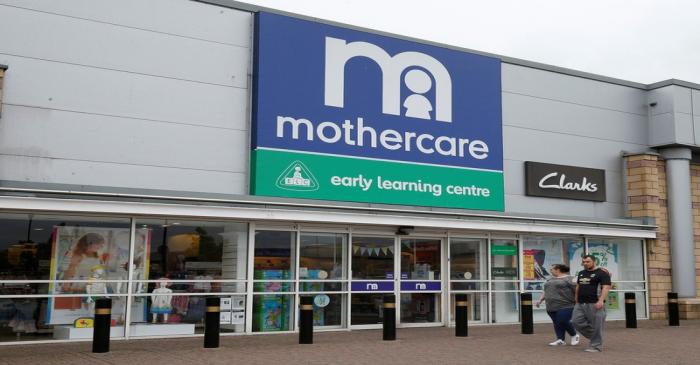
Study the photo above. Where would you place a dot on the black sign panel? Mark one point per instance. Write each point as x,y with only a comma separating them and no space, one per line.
567,182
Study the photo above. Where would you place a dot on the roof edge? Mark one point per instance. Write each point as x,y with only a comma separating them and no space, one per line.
232,4
676,82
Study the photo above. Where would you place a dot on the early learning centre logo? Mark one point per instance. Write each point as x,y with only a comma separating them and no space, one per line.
297,177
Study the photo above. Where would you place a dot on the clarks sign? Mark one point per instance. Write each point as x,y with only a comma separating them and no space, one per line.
567,182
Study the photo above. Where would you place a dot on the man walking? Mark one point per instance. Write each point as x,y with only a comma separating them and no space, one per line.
589,311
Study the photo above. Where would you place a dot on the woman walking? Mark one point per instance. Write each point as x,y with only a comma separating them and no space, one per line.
559,297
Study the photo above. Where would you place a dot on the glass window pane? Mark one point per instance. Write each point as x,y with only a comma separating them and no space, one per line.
64,318
540,253
272,313
269,286
615,304
328,309
322,256
470,285
44,247
505,285
420,259
506,307
467,259
193,250
420,307
274,255
366,309
504,259
372,257
623,258
164,313
322,287
476,310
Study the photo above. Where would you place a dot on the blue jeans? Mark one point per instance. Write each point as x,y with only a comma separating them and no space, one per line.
562,322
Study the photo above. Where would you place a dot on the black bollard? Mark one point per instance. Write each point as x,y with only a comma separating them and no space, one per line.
461,315
212,323
389,323
630,310
100,331
673,317
306,320
526,313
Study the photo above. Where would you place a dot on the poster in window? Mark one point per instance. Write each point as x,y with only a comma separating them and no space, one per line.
93,255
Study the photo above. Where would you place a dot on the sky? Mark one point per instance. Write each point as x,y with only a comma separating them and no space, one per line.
643,41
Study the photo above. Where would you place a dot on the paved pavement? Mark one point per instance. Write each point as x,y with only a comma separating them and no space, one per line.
652,343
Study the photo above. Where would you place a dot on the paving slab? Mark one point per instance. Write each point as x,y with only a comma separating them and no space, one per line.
652,343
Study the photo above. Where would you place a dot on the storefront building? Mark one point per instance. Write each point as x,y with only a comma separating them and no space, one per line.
261,157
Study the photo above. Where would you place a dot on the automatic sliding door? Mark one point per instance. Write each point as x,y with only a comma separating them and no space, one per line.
420,280
372,277
469,275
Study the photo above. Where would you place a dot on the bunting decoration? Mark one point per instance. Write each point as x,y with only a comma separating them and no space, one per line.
373,251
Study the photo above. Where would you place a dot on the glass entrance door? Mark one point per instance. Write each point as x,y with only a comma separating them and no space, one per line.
372,276
469,275
420,281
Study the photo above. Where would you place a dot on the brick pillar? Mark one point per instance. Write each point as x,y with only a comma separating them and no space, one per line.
646,198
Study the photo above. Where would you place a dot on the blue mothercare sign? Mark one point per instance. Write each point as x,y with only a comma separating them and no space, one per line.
329,91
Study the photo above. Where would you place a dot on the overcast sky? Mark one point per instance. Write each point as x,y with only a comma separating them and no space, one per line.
637,40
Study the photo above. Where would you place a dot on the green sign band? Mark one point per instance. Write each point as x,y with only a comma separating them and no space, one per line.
324,177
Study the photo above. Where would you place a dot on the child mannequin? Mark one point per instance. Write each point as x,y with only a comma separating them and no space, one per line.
96,286
162,296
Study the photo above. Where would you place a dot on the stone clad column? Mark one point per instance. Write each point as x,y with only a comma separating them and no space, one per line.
680,214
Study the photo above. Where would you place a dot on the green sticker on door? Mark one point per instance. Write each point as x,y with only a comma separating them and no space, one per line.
504,250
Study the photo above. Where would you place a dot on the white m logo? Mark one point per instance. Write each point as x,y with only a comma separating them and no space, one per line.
339,52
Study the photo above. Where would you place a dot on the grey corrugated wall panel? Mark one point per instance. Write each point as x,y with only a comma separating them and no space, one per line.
530,145
182,18
121,175
104,45
47,133
130,94
557,86
575,119
55,85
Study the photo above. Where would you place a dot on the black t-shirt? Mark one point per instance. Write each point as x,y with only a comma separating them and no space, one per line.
588,282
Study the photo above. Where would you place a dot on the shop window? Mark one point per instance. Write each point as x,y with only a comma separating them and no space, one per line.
273,271
504,278
420,261
539,254
84,257
624,259
468,274
184,258
372,259
322,267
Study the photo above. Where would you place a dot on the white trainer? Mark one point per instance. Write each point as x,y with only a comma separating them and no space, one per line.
557,343
575,340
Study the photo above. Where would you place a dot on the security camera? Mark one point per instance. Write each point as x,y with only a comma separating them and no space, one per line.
405,230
